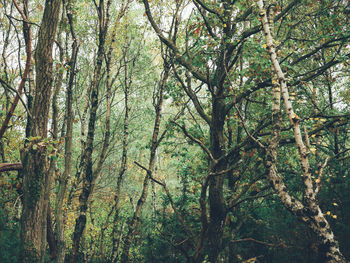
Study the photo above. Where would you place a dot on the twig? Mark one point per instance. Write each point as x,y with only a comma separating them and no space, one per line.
259,242
7,86
320,172
245,128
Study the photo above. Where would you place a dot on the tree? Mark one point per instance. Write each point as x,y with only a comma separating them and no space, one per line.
137,151
36,181
225,24
310,211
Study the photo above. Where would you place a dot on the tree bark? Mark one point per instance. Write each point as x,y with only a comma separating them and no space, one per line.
63,180
309,211
51,237
34,157
86,165
217,208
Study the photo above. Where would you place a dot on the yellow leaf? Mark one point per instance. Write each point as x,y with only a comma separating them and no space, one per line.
225,25
313,135
328,213
334,216
264,46
295,116
313,150
335,204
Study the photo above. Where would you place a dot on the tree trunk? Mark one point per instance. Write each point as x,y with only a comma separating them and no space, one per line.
51,238
63,180
28,40
34,157
154,145
122,170
308,211
217,209
86,165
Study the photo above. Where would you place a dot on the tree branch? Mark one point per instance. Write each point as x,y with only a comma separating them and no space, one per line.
5,167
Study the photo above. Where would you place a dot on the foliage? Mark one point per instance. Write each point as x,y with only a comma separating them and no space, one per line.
217,112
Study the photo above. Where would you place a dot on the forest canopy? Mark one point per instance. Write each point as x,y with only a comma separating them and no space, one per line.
175,131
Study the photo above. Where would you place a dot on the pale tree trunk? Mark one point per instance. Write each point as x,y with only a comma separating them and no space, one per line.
308,211
36,179
122,170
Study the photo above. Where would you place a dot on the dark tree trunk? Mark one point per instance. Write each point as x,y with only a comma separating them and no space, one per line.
51,238
217,209
86,165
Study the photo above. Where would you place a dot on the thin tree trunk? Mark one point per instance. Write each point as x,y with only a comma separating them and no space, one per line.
51,237
122,170
28,41
63,180
154,145
86,161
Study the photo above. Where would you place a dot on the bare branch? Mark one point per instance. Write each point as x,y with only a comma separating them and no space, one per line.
259,242
5,167
245,128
